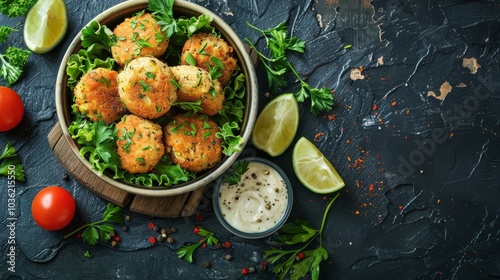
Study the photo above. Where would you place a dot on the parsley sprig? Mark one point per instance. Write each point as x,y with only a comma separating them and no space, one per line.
14,8
303,233
279,43
179,29
233,175
13,62
100,230
186,251
10,164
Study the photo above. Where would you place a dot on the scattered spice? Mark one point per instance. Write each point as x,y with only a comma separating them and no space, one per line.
170,240
244,271
318,135
374,108
263,266
207,264
151,225
196,230
152,240
198,217
394,103
227,244
228,257
251,269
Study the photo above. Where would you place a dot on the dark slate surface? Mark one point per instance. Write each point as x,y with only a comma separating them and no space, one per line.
415,205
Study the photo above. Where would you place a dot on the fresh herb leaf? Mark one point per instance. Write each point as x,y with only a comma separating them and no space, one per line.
186,251
233,175
98,141
15,8
178,30
191,107
13,62
278,42
100,230
10,164
87,254
303,233
190,59
5,32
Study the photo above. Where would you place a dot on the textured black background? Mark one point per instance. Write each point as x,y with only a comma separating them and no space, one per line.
436,217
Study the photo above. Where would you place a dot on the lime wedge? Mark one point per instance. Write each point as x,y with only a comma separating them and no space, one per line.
45,25
276,125
313,169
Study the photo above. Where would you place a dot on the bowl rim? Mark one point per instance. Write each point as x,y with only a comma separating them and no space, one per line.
262,234
247,125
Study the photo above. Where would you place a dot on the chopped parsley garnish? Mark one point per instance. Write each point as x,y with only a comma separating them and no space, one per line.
144,86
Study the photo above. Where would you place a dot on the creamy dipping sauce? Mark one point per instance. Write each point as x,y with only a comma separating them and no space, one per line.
257,202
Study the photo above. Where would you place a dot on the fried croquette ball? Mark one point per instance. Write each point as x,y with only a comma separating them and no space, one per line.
138,36
195,84
191,142
140,144
145,87
201,47
96,96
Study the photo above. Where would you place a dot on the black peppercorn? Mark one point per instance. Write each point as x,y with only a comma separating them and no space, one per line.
207,264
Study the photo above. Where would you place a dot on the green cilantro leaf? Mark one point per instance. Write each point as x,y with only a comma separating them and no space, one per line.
100,230
186,251
10,164
278,42
299,232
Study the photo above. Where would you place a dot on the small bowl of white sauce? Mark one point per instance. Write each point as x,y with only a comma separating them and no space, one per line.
259,204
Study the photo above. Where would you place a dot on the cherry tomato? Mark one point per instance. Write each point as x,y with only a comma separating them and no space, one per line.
11,109
53,208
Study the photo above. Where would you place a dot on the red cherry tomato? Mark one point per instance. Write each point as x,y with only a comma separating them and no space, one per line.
11,109
53,208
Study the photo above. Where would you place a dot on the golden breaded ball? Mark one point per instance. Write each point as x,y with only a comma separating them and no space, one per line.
202,47
191,142
140,144
195,84
138,36
145,87
96,96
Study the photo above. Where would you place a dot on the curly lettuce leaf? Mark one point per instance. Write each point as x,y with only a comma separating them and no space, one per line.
98,142
84,61
97,40
232,142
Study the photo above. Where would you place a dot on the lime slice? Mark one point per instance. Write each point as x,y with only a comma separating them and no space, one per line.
276,125
45,25
313,169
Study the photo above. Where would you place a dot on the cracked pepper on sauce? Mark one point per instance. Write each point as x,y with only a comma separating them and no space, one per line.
257,202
